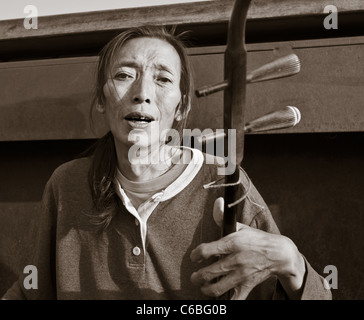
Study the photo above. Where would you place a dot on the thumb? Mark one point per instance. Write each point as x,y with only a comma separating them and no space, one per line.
240,226
218,214
218,211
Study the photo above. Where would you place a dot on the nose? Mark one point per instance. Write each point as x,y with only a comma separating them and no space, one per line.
142,92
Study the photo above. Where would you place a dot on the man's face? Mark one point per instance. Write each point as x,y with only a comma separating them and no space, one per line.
142,91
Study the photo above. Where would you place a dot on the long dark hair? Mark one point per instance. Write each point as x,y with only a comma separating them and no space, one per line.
104,163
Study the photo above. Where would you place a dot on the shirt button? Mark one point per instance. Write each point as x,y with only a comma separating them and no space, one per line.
136,251
136,222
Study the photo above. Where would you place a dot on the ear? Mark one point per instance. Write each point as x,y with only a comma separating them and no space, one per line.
100,108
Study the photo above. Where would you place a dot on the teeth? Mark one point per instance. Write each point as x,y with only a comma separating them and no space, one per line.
140,119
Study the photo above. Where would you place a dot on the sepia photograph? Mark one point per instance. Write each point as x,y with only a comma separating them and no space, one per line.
182,151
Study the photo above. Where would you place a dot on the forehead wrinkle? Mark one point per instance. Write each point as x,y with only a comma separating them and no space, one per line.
151,58
155,65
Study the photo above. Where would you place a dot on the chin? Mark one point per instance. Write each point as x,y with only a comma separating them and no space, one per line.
138,138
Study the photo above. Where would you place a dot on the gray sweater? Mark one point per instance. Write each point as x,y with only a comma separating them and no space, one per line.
74,262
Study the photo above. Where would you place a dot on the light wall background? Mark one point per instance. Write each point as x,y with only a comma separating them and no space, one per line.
14,9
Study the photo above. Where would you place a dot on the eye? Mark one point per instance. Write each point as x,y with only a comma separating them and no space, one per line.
123,76
164,79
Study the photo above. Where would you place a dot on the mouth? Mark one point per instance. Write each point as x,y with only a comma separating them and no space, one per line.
139,117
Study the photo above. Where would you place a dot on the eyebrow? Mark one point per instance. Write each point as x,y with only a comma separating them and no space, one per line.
133,64
164,68
127,64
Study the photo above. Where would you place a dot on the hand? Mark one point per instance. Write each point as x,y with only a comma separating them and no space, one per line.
249,256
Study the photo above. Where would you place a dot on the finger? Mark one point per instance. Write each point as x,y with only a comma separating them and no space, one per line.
215,270
226,245
223,285
218,211
241,292
218,214
207,250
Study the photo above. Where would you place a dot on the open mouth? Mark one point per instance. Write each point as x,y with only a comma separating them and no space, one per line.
139,117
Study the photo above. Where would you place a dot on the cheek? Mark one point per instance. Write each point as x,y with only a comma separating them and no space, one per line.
112,92
111,103
169,104
107,91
